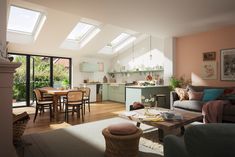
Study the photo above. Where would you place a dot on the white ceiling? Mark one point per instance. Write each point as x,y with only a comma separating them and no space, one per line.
161,18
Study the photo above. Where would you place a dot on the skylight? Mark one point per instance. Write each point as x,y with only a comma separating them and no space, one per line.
118,43
119,39
23,20
81,34
80,31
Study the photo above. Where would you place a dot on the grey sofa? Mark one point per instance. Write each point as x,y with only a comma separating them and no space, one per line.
196,106
206,140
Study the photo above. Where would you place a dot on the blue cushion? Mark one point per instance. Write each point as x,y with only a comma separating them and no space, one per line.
212,94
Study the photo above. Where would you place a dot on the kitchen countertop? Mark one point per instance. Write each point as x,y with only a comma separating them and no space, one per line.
136,86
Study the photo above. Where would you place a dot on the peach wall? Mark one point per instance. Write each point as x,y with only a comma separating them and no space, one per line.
189,49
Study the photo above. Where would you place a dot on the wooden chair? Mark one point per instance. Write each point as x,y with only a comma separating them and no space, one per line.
86,97
42,104
74,100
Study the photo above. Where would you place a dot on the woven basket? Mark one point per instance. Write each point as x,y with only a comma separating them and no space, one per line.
121,145
19,125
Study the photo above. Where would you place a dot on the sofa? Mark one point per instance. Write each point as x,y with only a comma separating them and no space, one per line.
205,140
196,105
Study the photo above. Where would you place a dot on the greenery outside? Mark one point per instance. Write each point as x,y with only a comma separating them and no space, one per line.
41,76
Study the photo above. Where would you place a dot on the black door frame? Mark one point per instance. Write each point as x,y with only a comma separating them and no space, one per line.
28,66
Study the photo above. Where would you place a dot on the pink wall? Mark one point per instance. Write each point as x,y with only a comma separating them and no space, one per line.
189,51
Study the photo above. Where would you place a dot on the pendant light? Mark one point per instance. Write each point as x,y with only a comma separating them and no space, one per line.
133,55
118,61
150,50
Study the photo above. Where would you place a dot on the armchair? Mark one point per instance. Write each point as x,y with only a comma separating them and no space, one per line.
206,140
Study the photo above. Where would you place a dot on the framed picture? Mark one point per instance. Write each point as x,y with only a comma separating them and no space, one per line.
209,56
209,70
227,61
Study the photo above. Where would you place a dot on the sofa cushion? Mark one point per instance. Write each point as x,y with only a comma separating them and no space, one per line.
193,105
201,88
195,95
182,93
211,94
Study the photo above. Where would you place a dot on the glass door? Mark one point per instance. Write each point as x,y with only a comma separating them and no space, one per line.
39,74
61,72
19,82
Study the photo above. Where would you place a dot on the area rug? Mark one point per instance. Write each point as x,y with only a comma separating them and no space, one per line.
82,140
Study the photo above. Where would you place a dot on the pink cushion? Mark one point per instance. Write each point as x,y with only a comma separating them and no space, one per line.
195,95
122,129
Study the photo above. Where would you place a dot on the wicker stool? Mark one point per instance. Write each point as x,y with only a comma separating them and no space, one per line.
122,145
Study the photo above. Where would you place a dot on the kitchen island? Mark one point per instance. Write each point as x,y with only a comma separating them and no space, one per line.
136,93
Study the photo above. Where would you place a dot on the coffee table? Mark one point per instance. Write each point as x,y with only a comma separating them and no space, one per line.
166,125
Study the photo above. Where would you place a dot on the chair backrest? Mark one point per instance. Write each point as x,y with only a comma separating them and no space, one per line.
75,96
37,94
86,91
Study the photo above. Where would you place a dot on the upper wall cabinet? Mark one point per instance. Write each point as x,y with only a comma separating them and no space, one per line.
89,67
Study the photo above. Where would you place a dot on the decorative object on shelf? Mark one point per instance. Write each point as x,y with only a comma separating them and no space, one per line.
149,77
227,62
209,70
105,80
209,56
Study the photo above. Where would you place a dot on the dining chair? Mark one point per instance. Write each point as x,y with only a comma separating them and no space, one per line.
86,97
74,100
42,104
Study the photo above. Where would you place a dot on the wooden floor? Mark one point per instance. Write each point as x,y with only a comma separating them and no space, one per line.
99,111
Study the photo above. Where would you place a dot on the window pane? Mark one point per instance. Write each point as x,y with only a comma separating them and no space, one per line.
61,72
80,31
118,40
19,83
22,20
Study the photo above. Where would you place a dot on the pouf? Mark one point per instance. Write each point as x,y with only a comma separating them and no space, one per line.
122,140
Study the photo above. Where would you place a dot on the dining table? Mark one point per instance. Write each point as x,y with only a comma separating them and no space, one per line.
56,94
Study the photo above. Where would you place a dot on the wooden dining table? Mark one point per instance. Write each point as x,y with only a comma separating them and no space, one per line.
56,93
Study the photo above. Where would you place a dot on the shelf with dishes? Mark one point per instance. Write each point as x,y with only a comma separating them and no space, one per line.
136,71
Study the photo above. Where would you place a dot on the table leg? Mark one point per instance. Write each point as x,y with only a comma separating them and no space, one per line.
55,107
160,135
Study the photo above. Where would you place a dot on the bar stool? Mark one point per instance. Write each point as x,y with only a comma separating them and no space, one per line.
160,96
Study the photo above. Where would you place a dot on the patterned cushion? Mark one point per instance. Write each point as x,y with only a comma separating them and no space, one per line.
182,93
122,129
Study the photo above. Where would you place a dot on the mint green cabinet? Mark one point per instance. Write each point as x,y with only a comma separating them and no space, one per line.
88,67
104,92
116,92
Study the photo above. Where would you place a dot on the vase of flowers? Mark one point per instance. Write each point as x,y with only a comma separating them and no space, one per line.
149,101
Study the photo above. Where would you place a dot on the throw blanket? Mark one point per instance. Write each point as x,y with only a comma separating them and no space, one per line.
213,111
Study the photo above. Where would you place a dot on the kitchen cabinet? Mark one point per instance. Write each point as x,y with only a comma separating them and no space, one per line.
105,92
93,92
116,92
88,67
113,92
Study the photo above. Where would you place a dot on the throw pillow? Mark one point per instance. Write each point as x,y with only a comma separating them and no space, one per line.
212,94
182,93
122,129
195,95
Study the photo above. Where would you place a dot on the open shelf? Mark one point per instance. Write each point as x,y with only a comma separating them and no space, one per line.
136,71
